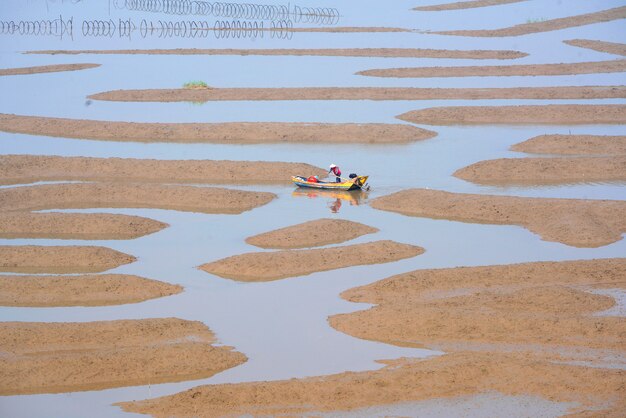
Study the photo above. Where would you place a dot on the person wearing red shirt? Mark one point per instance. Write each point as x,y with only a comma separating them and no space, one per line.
336,171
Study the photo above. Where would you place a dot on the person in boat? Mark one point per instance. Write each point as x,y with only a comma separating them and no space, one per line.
336,171
313,179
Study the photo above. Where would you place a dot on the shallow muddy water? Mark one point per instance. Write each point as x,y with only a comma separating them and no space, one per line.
282,326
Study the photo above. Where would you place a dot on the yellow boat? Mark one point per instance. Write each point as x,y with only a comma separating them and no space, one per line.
353,184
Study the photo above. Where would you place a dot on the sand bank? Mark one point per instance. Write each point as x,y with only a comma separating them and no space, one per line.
360,93
530,115
90,226
613,66
116,195
67,357
60,259
233,133
267,266
537,307
21,169
84,290
575,222
46,69
402,380
573,145
464,5
600,46
311,234
545,25
524,171
337,52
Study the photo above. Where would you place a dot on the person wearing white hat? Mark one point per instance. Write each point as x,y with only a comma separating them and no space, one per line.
336,171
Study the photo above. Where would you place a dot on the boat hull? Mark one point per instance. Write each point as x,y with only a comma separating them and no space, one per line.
352,184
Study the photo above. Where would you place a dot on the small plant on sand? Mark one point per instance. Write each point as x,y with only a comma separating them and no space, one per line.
195,85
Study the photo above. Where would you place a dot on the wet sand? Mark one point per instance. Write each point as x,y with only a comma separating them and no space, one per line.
89,226
464,5
546,25
116,195
613,66
542,114
21,169
573,145
574,222
268,266
528,171
46,69
67,357
84,290
600,46
359,93
324,52
60,259
402,380
311,234
232,132
534,307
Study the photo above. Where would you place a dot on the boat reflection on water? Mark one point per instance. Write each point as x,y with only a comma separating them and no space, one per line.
335,197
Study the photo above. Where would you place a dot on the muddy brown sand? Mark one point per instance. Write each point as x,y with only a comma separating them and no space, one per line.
573,145
46,69
311,234
600,46
82,290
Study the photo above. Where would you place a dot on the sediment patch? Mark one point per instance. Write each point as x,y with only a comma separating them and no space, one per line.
537,307
336,52
67,357
600,46
524,171
497,115
613,66
116,195
464,5
404,380
267,266
84,290
573,145
575,222
21,169
46,69
89,226
60,259
545,25
360,93
234,132
311,234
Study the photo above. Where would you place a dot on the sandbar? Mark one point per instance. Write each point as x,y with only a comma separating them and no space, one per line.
122,195
335,52
612,66
67,357
83,290
46,69
464,5
524,171
573,145
600,46
539,307
574,222
497,115
599,391
89,226
360,93
22,169
311,234
60,259
268,266
232,132
545,25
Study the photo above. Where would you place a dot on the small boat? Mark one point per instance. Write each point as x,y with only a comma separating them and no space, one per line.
353,184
